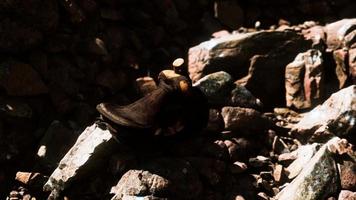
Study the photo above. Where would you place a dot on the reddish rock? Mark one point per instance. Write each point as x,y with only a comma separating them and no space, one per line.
338,31
348,175
304,80
347,195
21,79
341,70
352,65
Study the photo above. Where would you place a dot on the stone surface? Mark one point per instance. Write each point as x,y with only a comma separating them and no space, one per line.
215,122
347,195
20,79
220,90
304,80
348,174
336,114
341,70
176,179
317,180
352,65
90,148
236,118
337,31
232,53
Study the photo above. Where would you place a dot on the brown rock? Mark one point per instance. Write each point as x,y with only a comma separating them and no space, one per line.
145,85
347,195
236,118
352,65
341,70
304,80
232,53
20,79
337,31
31,179
317,35
278,173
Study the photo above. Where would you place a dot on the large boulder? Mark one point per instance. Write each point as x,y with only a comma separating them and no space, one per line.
336,115
304,80
340,34
232,53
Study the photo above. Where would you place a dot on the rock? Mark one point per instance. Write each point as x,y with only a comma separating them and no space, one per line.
279,146
352,65
347,195
229,13
304,155
55,143
259,161
97,46
215,86
317,180
317,35
279,173
304,80
163,177
236,118
238,167
337,32
21,79
220,90
348,175
32,180
340,57
88,153
271,65
337,115
232,53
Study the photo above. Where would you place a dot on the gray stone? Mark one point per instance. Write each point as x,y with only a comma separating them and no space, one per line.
317,180
336,115
88,153
304,80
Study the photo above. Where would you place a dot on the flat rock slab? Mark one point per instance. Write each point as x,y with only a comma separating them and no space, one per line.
336,115
91,146
317,180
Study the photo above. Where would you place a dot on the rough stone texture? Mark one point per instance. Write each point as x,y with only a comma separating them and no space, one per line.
338,31
347,195
337,114
304,80
236,118
348,174
177,180
21,79
90,147
232,53
317,180
341,70
317,35
220,90
304,155
352,65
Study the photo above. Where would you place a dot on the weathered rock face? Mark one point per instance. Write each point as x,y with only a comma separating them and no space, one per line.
340,34
21,79
352,65
337,115
236,118
317,180
304,80
232,53
347,195
341,70
348,174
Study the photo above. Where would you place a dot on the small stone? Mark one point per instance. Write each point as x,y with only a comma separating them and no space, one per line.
145,85
278,173
238,167
259,161
348,175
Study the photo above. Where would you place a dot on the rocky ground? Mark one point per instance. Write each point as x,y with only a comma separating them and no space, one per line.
282,99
